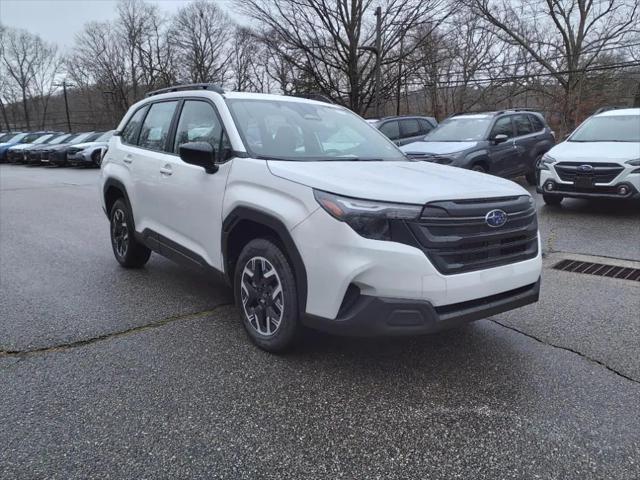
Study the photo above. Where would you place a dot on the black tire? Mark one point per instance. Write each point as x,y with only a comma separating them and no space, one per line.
259,306
128,251
96,158
531,178
479,168
552,199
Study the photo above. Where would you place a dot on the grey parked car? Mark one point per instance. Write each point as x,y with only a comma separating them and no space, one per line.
404,129
507,143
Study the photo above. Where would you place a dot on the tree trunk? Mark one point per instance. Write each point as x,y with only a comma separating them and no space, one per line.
25,108
4,115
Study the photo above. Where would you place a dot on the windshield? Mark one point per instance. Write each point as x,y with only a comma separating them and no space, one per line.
43,138
6,137
81,137
460,129
60,139
615,128
31,137
105,136
300,131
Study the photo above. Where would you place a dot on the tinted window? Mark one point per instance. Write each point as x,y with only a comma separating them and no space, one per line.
391,130
155,129
130,132
409,128
198,123
523,125
502,127
425,126
537,123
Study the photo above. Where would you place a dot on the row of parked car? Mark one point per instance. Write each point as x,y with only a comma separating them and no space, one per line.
599,159
54,148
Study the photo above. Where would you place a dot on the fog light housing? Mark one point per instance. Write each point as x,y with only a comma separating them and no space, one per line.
623,190
549,186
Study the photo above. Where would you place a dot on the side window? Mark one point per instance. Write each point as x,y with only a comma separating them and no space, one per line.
155,128
536,122
198,123
391,130
523,125
131,130
409,128
425,126
502,127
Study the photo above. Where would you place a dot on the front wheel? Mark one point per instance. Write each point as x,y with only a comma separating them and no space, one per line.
531,178
128,251
552,199
266,293
479,168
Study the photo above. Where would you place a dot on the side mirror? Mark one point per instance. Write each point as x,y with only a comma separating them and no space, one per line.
500,138
200,154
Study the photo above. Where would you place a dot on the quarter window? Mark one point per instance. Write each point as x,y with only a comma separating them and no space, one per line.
425,126
391,130
130,132
155,128
502,127
198,123
409,128
536,122
523,125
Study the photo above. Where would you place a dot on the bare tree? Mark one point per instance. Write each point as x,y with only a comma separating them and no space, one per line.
565,37
324,40
201,33
46,70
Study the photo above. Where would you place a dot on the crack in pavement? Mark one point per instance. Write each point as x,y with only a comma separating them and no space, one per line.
566,349
108,336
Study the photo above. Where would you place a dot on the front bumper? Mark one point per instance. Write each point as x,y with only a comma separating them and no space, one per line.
379,316
600,190
78,158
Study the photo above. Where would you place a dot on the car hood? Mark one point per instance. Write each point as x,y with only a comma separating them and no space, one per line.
437,148
595,151
90,145
21,146
404,182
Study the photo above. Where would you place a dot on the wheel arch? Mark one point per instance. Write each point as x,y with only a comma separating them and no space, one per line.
244,224
111,191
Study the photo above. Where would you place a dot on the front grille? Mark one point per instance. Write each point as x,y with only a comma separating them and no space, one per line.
456,237
601,173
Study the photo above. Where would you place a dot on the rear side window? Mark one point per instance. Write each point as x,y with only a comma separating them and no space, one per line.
502,127
425,126
409,128
537,123
523,125
391,130
155,128
130,132
198,123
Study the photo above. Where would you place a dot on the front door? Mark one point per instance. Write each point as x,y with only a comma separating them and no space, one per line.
503,156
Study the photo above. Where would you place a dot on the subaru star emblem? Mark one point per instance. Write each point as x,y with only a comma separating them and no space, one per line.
496,218
585,168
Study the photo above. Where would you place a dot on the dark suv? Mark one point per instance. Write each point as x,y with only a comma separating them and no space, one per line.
405,129
507,143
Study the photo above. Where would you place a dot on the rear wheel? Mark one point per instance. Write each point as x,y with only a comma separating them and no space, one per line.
128,251
266,293
552,199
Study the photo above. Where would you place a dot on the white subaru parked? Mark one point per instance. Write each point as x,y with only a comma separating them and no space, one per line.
600,159
314,217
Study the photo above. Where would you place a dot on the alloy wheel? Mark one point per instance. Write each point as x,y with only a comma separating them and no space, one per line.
262,296
120,232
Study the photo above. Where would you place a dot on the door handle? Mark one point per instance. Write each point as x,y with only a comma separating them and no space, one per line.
127,159
166,170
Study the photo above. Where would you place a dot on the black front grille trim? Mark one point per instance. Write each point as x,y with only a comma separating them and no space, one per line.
457,239
602,172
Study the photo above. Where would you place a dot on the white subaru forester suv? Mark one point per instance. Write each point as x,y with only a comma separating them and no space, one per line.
314,217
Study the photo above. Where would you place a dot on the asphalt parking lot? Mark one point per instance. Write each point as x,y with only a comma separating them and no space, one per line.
110,373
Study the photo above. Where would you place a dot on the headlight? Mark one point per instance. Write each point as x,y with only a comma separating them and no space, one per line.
634,163
369,218
545,161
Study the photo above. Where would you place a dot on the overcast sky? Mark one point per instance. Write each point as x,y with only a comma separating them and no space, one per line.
59,20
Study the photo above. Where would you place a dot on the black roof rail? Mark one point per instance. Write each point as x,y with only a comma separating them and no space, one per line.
606,109
190,86
471,112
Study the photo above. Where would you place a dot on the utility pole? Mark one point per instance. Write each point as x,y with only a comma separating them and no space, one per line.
378,57
64,86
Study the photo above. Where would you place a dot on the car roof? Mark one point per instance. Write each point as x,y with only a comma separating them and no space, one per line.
618,112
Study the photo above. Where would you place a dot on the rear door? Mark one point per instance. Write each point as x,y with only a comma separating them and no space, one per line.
410,131
503,156
525,141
